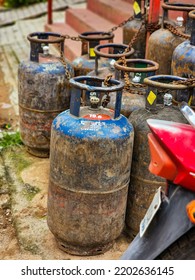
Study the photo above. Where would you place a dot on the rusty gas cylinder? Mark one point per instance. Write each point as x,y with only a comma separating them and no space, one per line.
86,62
112,52
90,162
134,91
43,90
132,27
162,42
183,63
144,184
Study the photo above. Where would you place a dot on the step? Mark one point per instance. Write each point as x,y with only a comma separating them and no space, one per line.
72,49
115,11
84,20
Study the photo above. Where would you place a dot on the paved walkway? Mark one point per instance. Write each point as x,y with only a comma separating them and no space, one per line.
11,16
14,46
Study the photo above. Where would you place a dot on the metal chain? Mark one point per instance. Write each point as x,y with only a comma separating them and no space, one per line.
106,100
187,82
125,51
73,38
76,38
128,83
134,39
121,24
151,27
107,79
63,61
175,31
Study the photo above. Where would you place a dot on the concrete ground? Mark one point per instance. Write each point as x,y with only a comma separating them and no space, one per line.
24,233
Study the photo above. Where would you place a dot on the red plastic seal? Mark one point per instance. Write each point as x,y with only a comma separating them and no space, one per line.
97,117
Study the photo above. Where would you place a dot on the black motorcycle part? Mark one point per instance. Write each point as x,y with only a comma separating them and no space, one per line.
182,249
169,224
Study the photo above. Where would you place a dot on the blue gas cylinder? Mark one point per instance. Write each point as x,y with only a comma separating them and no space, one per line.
183,64
90,163
43,91
86,62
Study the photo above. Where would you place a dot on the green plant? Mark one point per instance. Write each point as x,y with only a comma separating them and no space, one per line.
30,191
10,139
19,3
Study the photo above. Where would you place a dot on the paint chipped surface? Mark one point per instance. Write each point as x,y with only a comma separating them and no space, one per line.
90,163
44,92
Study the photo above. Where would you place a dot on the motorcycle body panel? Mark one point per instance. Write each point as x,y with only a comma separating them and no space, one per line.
172,157
177,140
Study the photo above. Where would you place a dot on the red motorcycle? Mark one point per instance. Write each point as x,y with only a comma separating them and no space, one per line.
168,229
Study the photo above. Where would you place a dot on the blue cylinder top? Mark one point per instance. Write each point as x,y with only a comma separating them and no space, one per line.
94,84
81,127
93,122
49,67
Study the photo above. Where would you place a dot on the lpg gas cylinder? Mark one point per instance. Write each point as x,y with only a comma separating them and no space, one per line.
112,52
132,27
183,63
162,42
133,75
86,63
90,162
143,184
43,91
